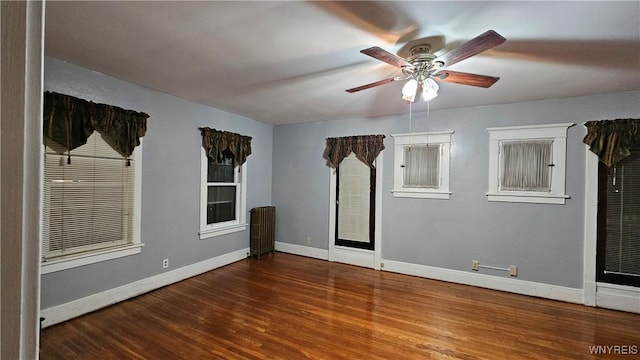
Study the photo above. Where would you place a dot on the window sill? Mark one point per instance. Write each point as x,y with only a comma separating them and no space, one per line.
536,198
421,194
74,261
205,234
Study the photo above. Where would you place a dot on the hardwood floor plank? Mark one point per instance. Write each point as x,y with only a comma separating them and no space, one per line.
291,307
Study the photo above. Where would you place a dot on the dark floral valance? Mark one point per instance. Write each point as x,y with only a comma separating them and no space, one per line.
215,142
612,140
70,121
365,147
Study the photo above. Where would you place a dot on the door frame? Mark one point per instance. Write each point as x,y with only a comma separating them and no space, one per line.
354,256
590,228
612,296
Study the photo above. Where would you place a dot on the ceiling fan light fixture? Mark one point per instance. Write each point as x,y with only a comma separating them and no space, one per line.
429,89
421,67
409,90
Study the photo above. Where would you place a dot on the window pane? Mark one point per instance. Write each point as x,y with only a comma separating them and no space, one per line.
526,165
220,171
221,204
421,166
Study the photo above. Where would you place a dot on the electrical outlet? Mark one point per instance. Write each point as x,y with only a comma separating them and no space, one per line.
165,263
513,270
308,240
475,265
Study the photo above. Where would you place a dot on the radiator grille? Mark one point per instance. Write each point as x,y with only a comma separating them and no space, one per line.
263,230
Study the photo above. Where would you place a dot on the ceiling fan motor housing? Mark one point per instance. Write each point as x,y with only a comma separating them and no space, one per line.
422,63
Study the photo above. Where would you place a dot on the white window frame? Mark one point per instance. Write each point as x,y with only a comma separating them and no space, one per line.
227,227
557,133
135,247
442,138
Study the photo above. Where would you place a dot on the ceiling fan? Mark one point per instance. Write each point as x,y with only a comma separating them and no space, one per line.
423,69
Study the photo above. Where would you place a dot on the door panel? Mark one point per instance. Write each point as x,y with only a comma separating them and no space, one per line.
618,250
355,205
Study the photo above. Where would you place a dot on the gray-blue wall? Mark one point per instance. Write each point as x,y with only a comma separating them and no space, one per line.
170,181
545,241
287,170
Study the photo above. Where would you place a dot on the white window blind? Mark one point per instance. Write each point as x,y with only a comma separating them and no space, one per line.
623,217
526,165
354,200
88,204
421,166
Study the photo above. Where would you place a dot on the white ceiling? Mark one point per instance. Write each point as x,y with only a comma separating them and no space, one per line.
289,62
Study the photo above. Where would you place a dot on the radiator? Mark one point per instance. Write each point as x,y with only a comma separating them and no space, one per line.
263,230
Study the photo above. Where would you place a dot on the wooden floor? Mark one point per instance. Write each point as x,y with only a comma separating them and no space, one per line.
292,307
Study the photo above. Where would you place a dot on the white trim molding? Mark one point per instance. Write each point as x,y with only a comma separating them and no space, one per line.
205,234
618,297
301,250
70,310
354,256
89,258
590,227
529,288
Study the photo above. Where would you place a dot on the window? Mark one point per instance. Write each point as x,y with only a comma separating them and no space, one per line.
527,163
421,165
223,197
90,204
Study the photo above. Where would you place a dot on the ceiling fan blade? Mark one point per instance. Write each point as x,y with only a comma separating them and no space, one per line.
464,78
367,86
480,43
384,55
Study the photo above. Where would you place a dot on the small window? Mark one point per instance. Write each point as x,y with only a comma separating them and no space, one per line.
527,164
221,190
421,165
90,204
223,200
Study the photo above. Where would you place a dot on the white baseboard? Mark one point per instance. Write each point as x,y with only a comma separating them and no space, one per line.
589,294
353,256
609,296
516,286
618,297
302,250
64,312
487,281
